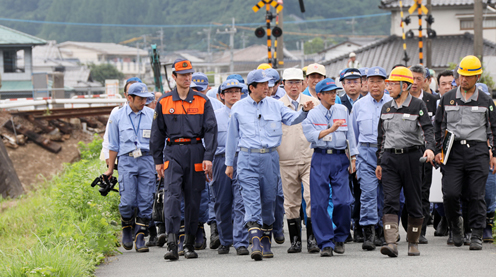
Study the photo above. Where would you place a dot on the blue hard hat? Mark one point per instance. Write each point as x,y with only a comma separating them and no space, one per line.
453,83
141,90
257,76
274,75
201,80
483,87
327,84
363,71
427,73
377,71
232,83
244,91
350,73
133,79
237,77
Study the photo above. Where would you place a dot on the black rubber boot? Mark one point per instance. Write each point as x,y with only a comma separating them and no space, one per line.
457,231
214,236
172,253
442,228
201,240
162,236
488,231
476,239
153,239
357,232
379,236
128,233
294,235
423,239
369,237
140,232
180,243
189,247
255,236
312,246
267,242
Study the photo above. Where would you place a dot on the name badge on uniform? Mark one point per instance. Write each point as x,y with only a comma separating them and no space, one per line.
475,108
146,133
137,153
406,115
327,138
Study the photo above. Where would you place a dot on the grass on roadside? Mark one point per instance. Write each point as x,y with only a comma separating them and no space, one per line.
65,228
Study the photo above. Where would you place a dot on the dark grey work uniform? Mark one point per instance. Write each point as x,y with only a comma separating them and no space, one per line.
402,133
473,123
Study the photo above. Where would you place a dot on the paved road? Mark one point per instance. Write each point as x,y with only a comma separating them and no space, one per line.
436,259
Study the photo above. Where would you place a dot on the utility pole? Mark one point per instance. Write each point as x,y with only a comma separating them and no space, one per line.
302,54
428,41
243,39
280,40
138,59
161,32
478,28
231,33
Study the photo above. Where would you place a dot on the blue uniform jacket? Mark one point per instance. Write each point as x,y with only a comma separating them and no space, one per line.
123,137
258,125
365,117
317,122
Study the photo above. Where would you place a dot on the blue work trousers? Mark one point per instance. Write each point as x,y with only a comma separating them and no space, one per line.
204,206
371,198
279,211
136,185
229,208
258,175
491,192
330,169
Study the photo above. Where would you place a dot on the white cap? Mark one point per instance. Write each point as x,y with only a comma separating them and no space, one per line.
352,54
292,74
316,68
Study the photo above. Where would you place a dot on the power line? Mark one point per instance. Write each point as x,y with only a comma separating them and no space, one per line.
184,25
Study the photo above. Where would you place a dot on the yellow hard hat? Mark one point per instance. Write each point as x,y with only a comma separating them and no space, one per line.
470,66
264,66
304,69
400,74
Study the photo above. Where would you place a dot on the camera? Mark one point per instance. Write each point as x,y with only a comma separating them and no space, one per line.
106,185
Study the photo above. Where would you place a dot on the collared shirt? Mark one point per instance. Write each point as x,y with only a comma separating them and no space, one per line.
307,92
279,93
258,125
223,116
216,104
317,122
351,100
365,116
127,130
470,119
291,100
404,126
105,144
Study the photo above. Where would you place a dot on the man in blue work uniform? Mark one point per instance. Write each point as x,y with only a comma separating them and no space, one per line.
364,89
183,118
404,131
244,89
226,191
365,118
255,128
329,131
275,91
129,139
351,80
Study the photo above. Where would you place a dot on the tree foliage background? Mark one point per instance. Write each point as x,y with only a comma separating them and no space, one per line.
168,12
102,72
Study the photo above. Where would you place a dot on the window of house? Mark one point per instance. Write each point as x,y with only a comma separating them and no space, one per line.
11,61
468,24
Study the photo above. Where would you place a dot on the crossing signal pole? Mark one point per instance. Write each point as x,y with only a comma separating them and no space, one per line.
277,32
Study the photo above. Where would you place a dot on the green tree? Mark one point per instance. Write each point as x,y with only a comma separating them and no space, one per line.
102,72
313,46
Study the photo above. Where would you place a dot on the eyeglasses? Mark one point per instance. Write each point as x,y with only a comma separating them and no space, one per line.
292,83
354,82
